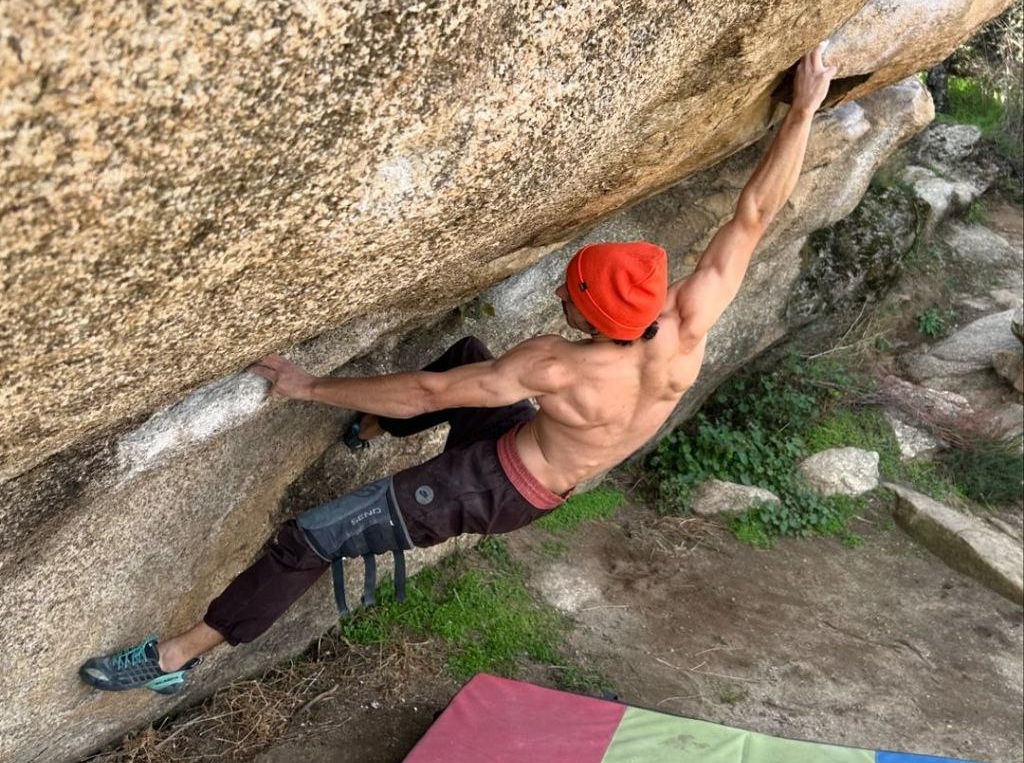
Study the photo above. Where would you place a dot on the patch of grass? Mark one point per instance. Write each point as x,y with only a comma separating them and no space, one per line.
486,617
748,529
495,550
988,471
476,603
553,548
924,475
860,427
599,503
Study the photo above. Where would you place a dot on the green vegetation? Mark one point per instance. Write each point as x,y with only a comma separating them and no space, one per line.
485,616
976,213
476,604
982,84
757,427
932,324
987,471
858,427
599,503
753,431
977,102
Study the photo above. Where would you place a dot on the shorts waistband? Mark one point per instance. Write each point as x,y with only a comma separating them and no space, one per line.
536,494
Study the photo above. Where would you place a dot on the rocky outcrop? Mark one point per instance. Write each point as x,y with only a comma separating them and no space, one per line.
963,542
155,522
186,190
186,187
969,350
945,172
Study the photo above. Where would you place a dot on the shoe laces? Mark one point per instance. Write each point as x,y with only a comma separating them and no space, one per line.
131,657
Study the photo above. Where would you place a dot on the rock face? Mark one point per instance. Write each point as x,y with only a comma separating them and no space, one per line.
156,521
185,189
944,171
979,346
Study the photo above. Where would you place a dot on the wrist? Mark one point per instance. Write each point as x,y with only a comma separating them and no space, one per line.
306,390
799,112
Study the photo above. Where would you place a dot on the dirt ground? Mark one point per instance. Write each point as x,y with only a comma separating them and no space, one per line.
879,646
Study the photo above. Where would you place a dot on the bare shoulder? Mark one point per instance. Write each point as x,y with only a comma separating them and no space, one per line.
677,324
543,362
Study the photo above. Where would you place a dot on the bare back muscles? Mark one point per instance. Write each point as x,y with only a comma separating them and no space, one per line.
612,401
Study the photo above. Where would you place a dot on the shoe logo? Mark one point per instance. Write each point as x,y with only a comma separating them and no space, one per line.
424,494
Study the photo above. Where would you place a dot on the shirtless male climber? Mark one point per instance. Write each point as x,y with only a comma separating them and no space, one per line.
504,463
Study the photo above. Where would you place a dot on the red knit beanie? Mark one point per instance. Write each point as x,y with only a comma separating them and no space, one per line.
619,287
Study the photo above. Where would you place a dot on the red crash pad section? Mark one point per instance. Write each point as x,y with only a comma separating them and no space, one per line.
501,721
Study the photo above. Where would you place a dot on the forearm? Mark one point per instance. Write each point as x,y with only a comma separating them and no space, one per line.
772,183
397,396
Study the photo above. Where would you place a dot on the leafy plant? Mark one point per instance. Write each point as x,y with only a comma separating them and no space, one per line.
931,323
751,432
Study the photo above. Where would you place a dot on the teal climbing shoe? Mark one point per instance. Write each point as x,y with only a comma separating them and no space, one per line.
137,667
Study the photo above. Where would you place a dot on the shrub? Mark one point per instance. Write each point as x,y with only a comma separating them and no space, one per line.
751,432
932,324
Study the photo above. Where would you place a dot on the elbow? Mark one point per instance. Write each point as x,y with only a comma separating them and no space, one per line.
764,220
424,398
753,214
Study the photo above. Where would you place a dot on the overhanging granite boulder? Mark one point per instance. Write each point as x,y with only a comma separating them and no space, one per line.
185,187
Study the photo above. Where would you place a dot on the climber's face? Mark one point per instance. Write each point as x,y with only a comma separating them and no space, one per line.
573,316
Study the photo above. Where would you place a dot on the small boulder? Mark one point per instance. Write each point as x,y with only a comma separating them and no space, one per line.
913,442
977,342
842,471
925,401
946,145
1007,420
717,497
939,194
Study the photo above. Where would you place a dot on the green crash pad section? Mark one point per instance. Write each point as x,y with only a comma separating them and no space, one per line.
644,736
